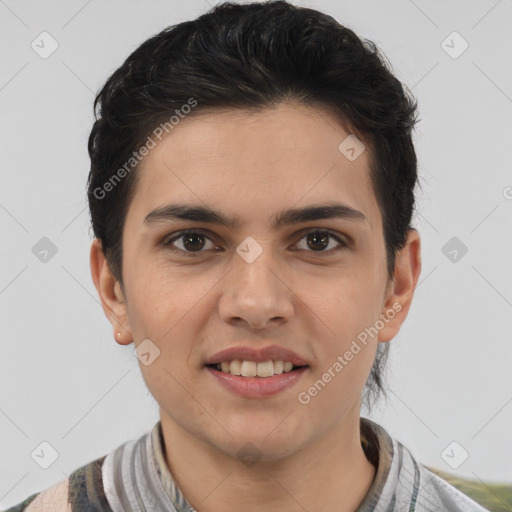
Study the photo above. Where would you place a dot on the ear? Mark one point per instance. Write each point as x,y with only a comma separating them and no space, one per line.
112,298
400,291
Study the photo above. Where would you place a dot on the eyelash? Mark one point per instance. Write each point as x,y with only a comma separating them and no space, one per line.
193,254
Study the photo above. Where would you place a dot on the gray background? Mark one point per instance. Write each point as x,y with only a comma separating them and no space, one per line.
65,381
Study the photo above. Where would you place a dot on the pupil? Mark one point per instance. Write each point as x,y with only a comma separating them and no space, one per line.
191,237
323,237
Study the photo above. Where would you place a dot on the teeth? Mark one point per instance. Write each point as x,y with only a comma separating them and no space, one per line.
265,369
234,367
253,369
278,367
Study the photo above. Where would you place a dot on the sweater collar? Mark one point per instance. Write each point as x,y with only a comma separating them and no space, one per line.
136,475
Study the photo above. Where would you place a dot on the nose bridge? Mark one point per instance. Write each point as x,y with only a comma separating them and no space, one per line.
254,290
257,273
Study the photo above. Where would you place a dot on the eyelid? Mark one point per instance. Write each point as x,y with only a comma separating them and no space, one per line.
344,241
171,237
340,237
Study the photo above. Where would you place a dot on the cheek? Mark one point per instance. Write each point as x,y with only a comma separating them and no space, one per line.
170,310
346,357
352,303
163,299
350,310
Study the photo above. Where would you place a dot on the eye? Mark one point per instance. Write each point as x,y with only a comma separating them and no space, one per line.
191,241
317,240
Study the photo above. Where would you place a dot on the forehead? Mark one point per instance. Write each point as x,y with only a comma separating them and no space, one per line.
252,165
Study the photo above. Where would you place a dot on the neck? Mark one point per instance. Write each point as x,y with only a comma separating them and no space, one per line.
330,474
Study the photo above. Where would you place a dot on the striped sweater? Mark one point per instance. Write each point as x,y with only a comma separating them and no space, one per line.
135,477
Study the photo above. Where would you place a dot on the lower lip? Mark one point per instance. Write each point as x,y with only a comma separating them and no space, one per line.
257,387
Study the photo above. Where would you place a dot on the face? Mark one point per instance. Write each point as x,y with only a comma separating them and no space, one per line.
311,285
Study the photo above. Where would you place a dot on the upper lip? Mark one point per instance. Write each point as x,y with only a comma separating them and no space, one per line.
258,355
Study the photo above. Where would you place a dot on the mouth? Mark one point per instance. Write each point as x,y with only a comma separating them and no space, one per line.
259,370
255,372
255,380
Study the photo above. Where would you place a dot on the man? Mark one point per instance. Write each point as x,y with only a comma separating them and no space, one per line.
251,193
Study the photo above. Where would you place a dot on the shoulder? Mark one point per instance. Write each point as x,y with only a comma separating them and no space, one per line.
82,491
473,494
54,499
455,493
426,489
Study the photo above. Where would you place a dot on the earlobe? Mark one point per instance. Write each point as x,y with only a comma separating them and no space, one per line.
110,293
401,291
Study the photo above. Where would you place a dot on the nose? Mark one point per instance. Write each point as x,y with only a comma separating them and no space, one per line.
256,294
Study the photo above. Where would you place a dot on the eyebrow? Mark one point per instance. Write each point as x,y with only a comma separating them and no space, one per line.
287,217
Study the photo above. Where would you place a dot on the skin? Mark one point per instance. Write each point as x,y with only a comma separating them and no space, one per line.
254,165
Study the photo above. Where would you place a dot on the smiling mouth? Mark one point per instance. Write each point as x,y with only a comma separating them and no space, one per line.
256,370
